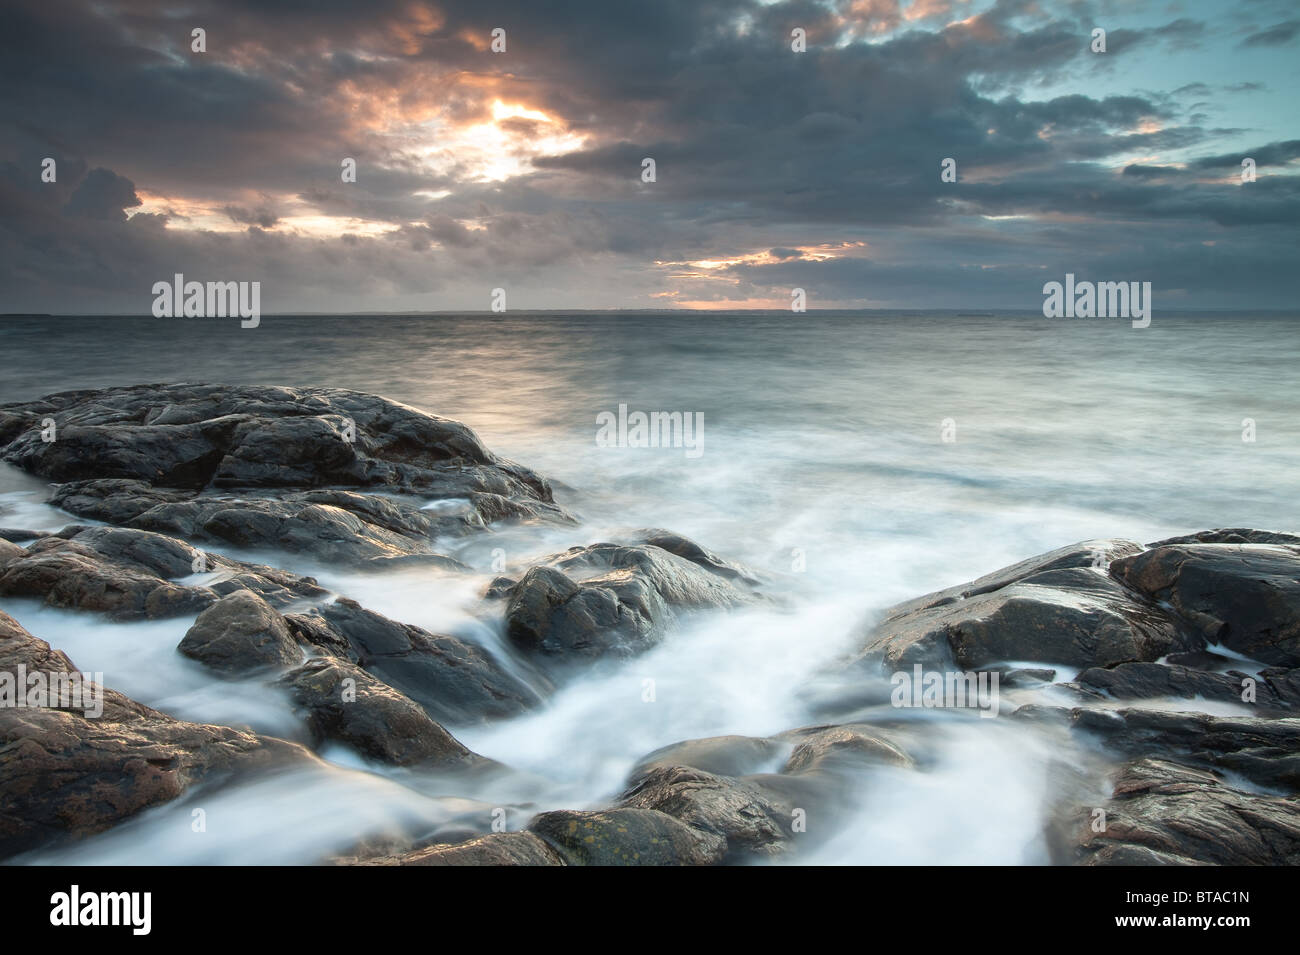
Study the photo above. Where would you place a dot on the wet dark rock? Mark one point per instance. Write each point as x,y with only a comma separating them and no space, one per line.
1243,596
499,588
1139,681
715,785
750,819
455,681
331,525
689,550
9,552
1231,535
190,435
1163,813
157,456
1199,660
718,755
1074,616
124,573
844,747
157,554
438,562
1025,676
1096,554
73,575
15,535
1265,751
239,634
373,718
626,837
498,848
609,600
117,501
315,523
65,776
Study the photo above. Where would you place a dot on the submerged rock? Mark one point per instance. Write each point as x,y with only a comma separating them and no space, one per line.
844,747
719,755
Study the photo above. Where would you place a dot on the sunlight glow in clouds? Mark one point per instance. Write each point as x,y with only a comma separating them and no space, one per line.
504,147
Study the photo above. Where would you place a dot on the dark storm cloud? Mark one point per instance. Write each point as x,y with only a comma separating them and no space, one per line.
756,149
103,195
264,217
1276,35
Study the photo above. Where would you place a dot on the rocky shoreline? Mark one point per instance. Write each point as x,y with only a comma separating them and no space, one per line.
173,476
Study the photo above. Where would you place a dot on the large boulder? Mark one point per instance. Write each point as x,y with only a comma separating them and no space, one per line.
750,819
173,439
455,681
1071,615
611,600
1243,596
626,837
240,634
345,704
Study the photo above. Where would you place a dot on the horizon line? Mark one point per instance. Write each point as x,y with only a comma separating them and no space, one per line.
989,312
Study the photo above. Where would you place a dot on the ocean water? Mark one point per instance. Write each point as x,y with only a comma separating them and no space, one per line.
824,462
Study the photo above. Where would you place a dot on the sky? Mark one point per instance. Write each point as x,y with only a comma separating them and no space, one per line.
522,169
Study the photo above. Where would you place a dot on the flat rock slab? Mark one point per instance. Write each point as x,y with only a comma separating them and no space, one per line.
1272,690
1071,616
1243,596
499,848
158,442
1162,813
